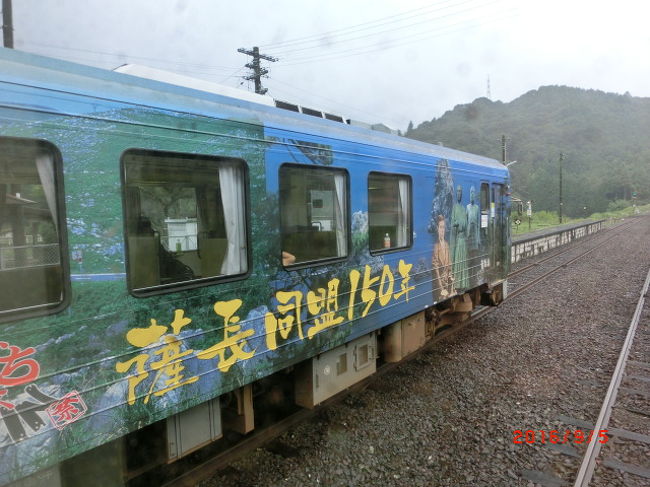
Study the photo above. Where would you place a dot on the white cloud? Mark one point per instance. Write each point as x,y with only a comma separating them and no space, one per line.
443,58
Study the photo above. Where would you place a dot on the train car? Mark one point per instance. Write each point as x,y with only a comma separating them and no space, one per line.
176,262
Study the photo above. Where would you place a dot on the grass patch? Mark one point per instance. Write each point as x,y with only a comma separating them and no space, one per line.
549,219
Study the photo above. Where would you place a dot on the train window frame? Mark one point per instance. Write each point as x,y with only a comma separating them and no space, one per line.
182,285
485,205
409,218
346,214
46,309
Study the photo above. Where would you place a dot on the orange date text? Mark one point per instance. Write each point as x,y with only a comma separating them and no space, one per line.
520,437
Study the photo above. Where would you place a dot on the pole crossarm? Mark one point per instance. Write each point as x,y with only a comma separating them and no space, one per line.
257,54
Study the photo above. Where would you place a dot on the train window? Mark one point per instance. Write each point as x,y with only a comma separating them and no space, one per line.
313,213
185,218
32,241
389,211
485,196
485,205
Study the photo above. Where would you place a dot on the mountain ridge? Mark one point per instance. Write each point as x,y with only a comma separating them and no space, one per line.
603,137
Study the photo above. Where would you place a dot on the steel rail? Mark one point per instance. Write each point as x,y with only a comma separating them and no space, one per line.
588,464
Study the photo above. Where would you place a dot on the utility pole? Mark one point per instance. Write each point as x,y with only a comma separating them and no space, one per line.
7,24
504,150
255,65
561,202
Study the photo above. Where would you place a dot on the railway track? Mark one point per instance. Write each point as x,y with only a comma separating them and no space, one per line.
540,270
616,397
614,449
600,239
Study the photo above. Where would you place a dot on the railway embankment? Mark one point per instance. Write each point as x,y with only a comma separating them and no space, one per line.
541,241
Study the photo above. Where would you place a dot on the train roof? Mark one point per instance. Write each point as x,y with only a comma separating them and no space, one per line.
23,68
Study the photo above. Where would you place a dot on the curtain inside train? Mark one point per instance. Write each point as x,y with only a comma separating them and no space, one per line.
341,226
45,168
231,183
403,213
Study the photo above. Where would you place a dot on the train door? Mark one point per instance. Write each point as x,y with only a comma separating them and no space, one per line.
499,222
486,228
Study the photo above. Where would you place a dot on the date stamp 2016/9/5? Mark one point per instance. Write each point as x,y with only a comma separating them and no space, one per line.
559,437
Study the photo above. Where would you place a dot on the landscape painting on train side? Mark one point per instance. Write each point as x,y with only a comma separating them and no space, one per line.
67,379
111,362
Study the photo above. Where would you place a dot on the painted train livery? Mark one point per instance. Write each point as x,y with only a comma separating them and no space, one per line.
170,254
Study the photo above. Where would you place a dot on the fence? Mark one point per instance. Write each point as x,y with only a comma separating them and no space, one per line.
22,256
545,240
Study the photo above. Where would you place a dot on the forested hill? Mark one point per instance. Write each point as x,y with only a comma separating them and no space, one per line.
605,139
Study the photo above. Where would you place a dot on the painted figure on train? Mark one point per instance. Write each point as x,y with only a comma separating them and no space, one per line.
458,241
473,233
441,263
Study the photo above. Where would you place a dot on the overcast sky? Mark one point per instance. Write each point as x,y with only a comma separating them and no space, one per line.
373,60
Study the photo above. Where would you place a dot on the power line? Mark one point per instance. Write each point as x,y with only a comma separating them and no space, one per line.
233,74
122,56
393,29
448,29
417,36
356,27
95,62
203,74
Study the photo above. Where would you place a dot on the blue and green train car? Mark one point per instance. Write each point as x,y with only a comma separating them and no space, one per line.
164,246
